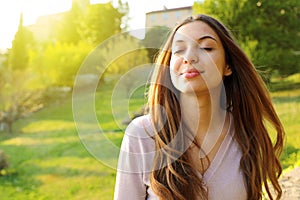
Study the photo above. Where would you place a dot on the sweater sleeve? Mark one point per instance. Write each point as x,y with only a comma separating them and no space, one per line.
130,179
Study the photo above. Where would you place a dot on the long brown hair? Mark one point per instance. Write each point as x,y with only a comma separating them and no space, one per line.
250,104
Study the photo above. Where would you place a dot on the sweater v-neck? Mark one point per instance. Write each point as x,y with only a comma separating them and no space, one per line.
219,156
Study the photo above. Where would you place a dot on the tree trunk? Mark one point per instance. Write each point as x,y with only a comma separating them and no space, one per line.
9,127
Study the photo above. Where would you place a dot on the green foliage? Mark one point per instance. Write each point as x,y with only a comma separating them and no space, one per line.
92,23
81,29
23,41
32,68
57,64
271,25
3,77
124,60
100,22
227,11
277,30
18,97
122,54
68,29
154,40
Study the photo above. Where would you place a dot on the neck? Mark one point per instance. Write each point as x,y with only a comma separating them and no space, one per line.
203,115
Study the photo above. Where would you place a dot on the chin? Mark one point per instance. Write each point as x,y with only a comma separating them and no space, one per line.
194,90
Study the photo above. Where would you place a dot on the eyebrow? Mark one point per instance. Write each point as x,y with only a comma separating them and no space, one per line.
206,37
200,39
179,41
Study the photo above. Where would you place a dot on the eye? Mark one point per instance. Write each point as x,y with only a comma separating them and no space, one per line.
178,51
206,48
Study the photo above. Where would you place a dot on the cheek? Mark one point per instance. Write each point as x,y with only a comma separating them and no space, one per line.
175,63
217,63
220,62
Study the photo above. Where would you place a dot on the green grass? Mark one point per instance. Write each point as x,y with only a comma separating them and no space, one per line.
287,105
49,161
286,98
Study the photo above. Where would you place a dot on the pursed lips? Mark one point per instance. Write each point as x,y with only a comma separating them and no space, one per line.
191,73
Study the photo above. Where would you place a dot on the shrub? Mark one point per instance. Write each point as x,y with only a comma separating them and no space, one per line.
3,161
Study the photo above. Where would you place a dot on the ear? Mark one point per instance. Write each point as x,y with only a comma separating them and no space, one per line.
227,70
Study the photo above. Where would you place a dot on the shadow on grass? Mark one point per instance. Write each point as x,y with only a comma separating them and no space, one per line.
286,99
20,181
283,85
63,171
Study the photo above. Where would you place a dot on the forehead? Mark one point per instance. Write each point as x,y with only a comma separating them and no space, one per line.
194,31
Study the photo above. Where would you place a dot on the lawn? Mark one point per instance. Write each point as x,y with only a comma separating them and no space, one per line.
49,161
286,97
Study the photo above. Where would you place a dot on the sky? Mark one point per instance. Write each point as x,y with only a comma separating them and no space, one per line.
10,13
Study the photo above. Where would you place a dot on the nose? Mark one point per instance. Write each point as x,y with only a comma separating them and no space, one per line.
190,57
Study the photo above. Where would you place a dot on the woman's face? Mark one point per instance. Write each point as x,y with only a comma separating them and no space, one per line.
198,59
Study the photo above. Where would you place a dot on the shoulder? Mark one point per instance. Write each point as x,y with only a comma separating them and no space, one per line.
138,135
138,147
140,127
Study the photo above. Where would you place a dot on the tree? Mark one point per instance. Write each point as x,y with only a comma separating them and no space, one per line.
18,97
276,30
23,41
154,39
102,21
92,23
268,30
68,31
120,55
57,64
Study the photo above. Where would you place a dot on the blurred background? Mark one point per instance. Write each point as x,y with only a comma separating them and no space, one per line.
43,45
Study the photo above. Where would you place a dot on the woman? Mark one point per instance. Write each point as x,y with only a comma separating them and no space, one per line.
205,136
